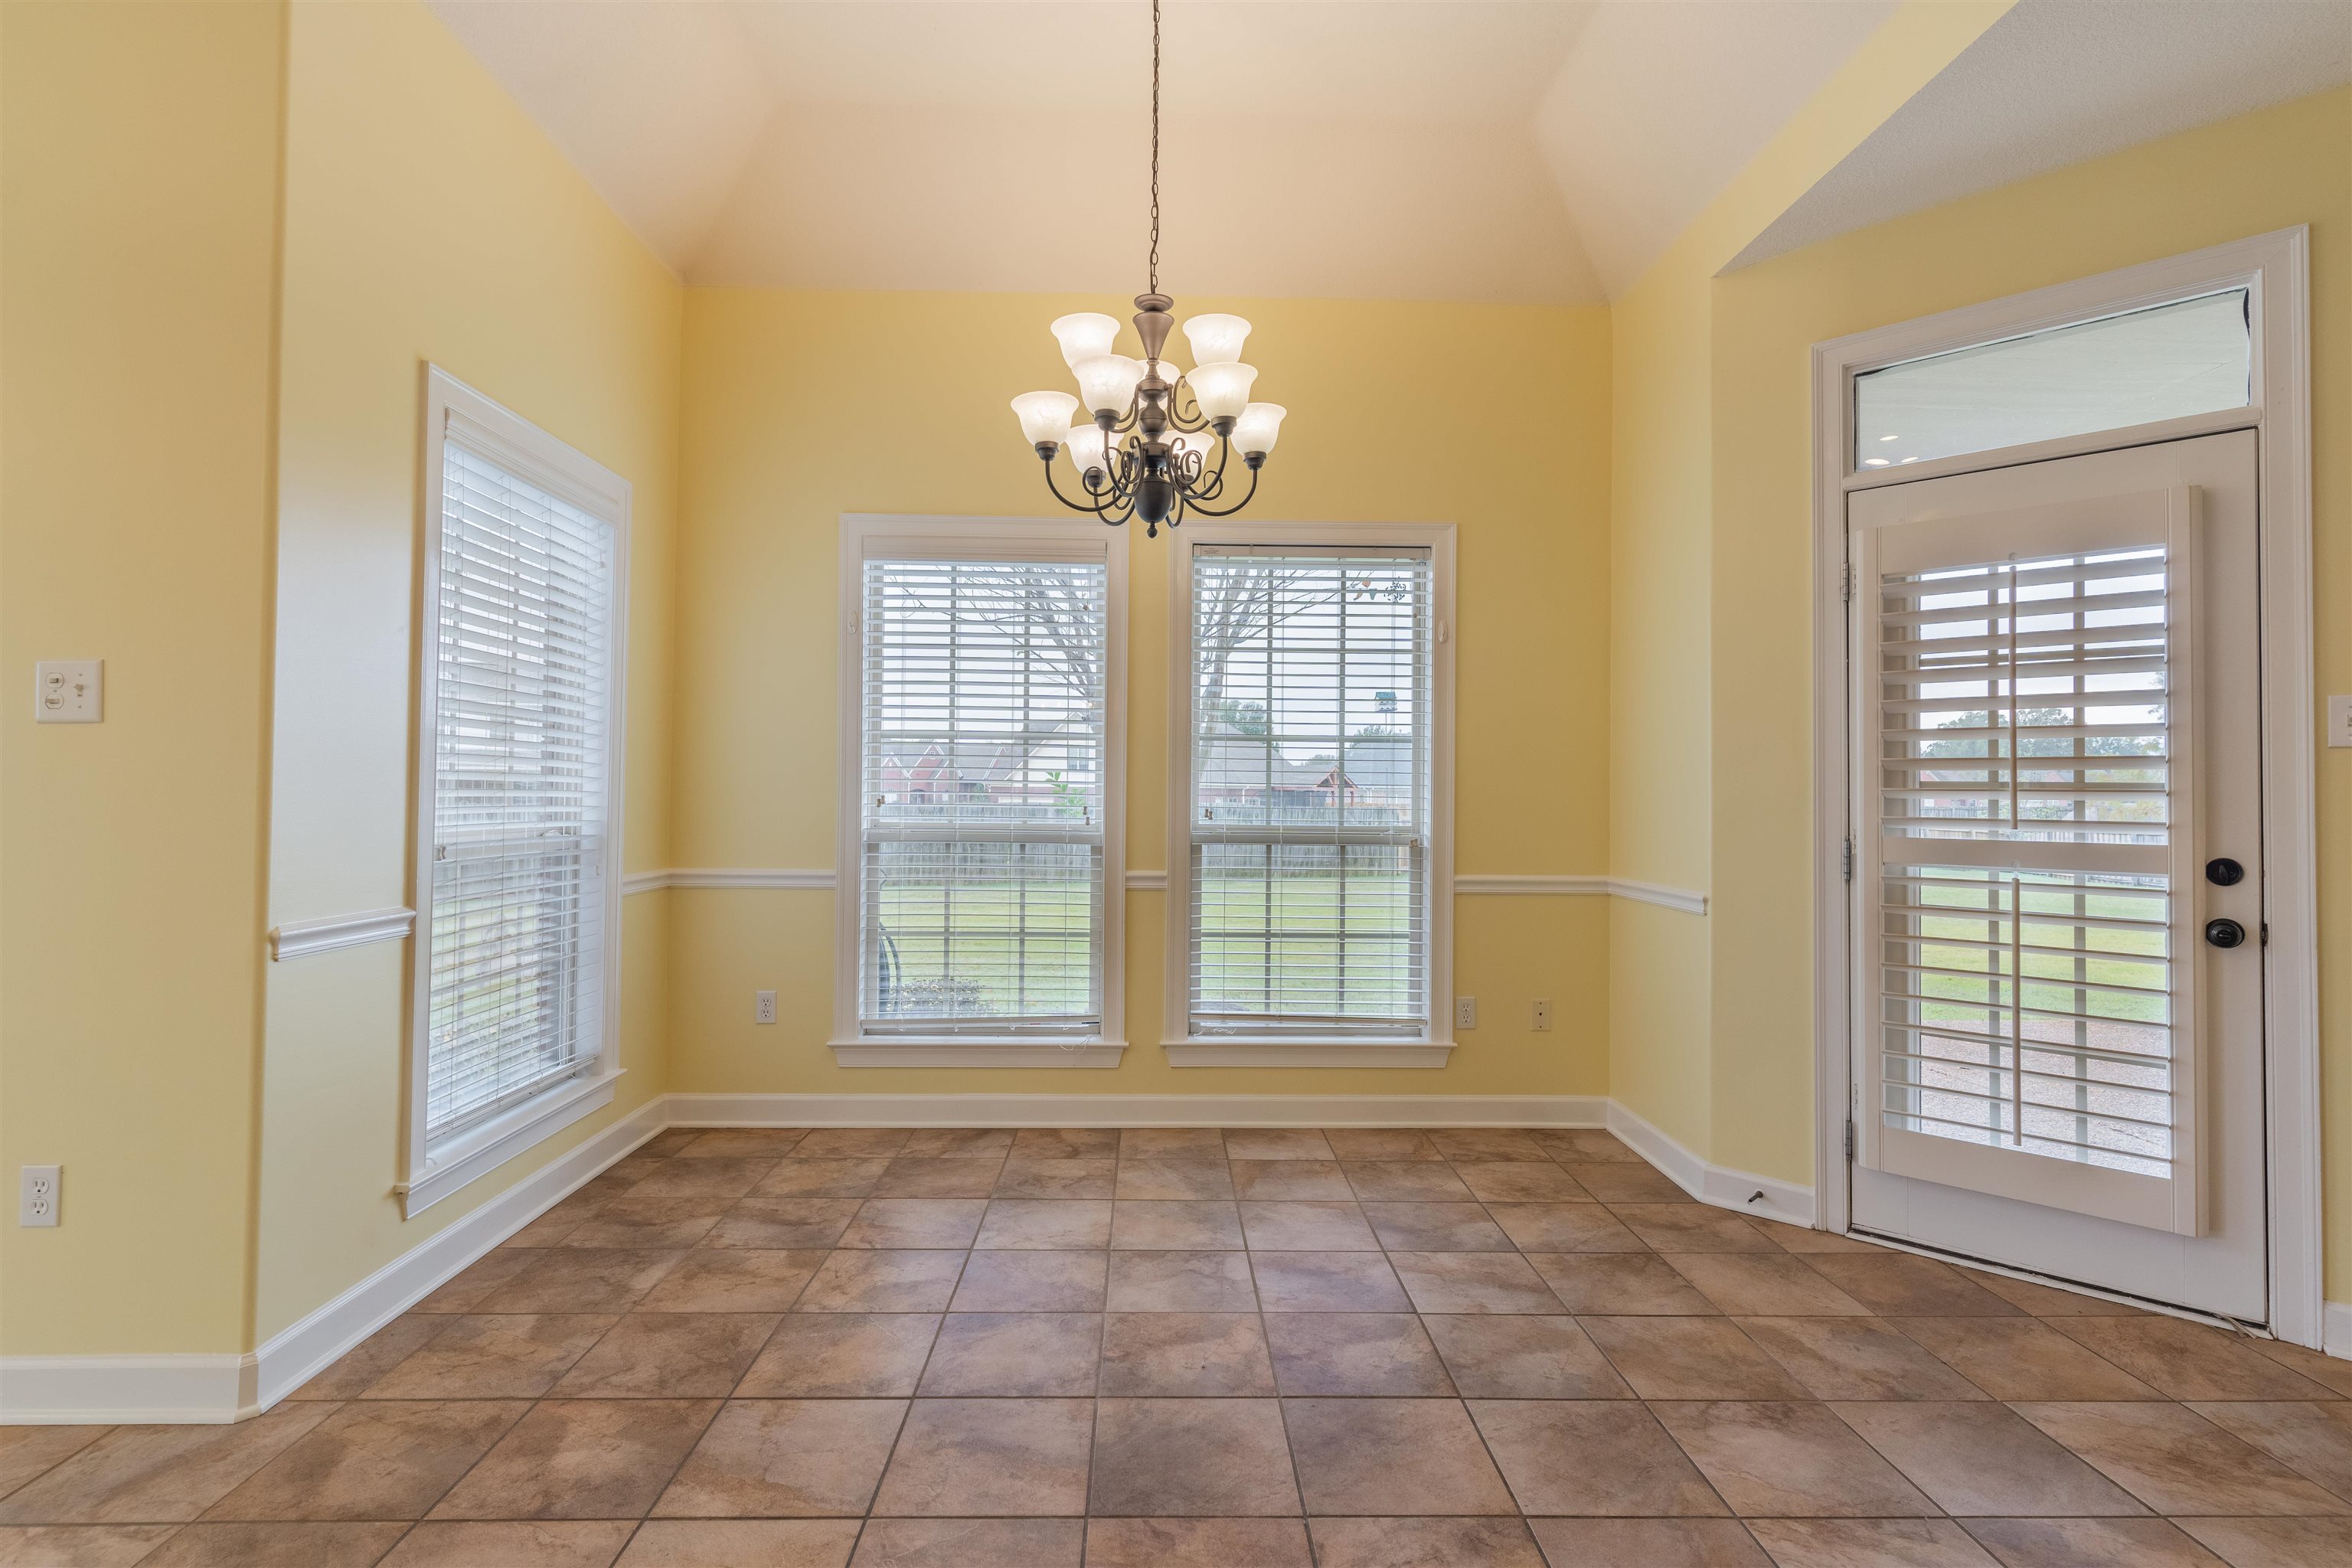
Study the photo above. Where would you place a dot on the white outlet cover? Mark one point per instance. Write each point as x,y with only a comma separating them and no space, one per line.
68,690
1465,1011
38,1195
2340,720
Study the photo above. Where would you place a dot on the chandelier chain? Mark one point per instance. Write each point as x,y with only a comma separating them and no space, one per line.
1155,146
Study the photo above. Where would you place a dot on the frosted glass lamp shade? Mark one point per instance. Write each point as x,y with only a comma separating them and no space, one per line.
1086,446
1216,340
1107,382
1044,416
1222,388
1084,335
1254,432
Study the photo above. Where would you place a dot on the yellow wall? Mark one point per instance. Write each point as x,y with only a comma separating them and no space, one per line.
140,174
427,218
789,421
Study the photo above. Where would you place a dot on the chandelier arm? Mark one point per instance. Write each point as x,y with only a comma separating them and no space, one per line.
1216,486
1094,507
1228,511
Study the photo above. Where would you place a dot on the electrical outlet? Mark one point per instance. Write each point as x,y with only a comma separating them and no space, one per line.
1543,1017
763,1006
36,1196
2340,720
68,690
1465,1011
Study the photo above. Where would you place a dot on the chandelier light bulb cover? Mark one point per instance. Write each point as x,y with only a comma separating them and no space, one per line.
1161,438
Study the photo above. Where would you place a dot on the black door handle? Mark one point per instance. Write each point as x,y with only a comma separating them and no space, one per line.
2224,933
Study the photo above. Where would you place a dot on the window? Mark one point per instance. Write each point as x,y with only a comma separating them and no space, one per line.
1310,846
980,887
518,790
2191,356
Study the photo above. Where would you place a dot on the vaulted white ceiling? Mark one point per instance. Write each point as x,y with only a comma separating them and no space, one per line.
1502,150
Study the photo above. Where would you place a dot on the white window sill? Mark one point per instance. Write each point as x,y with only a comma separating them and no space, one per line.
484,1149
1298,1053
966,1052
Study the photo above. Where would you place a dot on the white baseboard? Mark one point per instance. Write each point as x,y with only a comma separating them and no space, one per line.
2335,1329
107,1390
1137,1111
1716,1185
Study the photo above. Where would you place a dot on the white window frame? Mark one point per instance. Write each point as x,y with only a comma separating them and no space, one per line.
530,453
2276,270
1436,1047
862,531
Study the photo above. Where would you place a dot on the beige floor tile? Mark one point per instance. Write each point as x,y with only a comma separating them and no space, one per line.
560,1221
1473,1282
822,1179
852,1143
1277,1144
1624,1284
567,1279
842,1355
473,1284
151,1475
1691,1227
1173,1176
2023,1358
1183,1143
1868,1543
1072,1176
2189,1360
783,1224
944,1177
1437,1228
1045,1223
738,1542
1175,1225
1184,1355
26,1451
350,1374
1764,1285
1403,1181
1191,1458
1063,1143
1031,1282
1196,1544
1572,1145
1979,1459
665,1143
990,1458
1327,1282
960,1143
1858,1358
1523,1358
2274,1542
578,1543
1181,1282
2176,1462
1650,1543
724,1279
1014,1355
674,1355
1690,1358
1561,1226
1771,1459
885,1222
1521,1181
1622,1183
742,1144
972,1543
1307,1228
1594,1458
79,1545
390,1459
1381,1143
1898,1285
1462,1144
2088,1543
495,1355
708,1178
1383,1456
1291,1181
1354,1353
1425,1543
1798,1238
854,1282
2307,1436
795,1459
633,1221
2047,1301
581,1458
2332,1371
270,1545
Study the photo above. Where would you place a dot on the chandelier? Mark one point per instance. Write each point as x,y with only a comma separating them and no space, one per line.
1147,451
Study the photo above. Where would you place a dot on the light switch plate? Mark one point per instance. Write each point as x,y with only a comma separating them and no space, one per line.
68,690
2340,720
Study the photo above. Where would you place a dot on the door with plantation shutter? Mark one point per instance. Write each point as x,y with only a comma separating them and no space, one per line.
2056,697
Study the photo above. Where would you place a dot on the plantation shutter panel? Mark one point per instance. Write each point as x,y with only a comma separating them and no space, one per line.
523,702
982,764
1310,813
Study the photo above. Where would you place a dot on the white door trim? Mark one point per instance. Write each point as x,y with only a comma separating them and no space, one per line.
2275,269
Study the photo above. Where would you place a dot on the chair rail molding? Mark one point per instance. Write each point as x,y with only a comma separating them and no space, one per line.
299,939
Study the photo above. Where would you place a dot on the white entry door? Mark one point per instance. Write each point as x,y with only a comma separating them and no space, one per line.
2057,966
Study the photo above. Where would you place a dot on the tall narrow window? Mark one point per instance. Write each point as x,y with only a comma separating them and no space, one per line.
519,867
985,807
1312,837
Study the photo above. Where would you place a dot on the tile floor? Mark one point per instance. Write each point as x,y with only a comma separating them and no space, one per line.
1262,1348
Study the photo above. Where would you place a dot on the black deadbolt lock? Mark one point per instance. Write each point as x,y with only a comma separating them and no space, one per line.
2224,933
2224,872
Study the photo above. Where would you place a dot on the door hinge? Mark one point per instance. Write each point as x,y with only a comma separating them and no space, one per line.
1849,1140
1848,858
1846,581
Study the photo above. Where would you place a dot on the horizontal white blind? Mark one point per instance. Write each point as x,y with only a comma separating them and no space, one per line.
983,741
1309,815
2025,814
523,674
